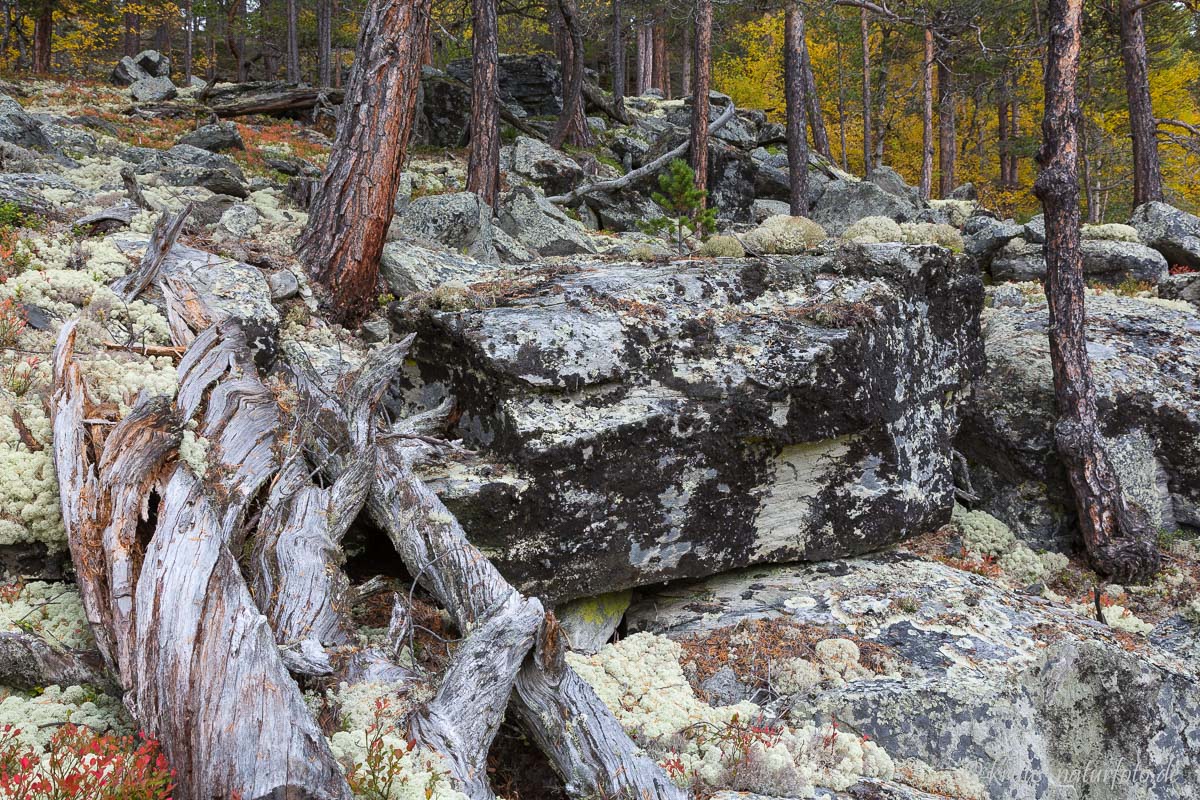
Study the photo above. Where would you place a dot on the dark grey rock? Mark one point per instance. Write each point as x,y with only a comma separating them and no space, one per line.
1035,229
1174,233
215,137
892,182
532,82
292,166
1103,260
984,236
724,689
445,110
554,171
459,221
376,329
730,182
283,285
623,210
240,220
17,127
185,165
966,191
1184,287
146,64
639,424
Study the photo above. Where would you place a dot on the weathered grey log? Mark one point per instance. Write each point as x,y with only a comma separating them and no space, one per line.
633,176
133,190
108,219
197,653
28,662
162,239
270,99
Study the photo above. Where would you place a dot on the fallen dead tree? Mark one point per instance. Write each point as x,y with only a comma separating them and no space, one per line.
244,99
633,176
206,646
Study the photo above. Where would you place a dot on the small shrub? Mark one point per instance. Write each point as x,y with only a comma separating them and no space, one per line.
12,322
784,235
383,769
81,764
1132,287
643,252
683,203
938,233
721,247
10,215
874,230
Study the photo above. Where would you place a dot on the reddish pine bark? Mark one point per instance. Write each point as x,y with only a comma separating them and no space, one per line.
865,31
483,161
947,130
572,125
43,33
618,57
349,217
926,185
1117,534
812,103
794,91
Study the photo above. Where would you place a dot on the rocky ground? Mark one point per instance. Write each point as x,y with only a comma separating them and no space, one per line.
799,510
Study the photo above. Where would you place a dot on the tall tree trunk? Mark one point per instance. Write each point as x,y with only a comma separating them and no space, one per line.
1014,133
841,104
645,57
1117,534
162,38
1002,138
43,35
618,57
881,94
702,65
293,42
812,104
1147,173
794,92
572,125
947,133
324,42
865,31
189,37
483,161
662,63
687,69
349,217
131,38
926,185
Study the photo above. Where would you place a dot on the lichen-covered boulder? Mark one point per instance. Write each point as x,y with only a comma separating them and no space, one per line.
445,112
186,165
146,64
539,225
638,424
1104,260
1019,698
844,202
19,128
458,221
893,182
216,137
554,171
152,90
407,267
532,83
1174,233
1145,360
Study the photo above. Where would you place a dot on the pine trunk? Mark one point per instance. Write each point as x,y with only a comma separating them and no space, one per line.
572,125
797,127
324,43
43,34
1014,133
947,132
926,185
618,57
1117,534
483,161
812,103
293,42
702,67
662,63
349,217
1147,173
189,41
865,31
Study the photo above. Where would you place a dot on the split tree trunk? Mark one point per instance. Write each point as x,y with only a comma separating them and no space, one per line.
865,32
348,219
1147,173
926,185
794,91
702,63
947,132
1116,533
812,102
483,160
572,125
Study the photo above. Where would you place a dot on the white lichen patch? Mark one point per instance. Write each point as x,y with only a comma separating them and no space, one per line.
53,611
38,717
726,747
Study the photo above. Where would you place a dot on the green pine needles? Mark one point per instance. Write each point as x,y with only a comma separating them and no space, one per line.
684,206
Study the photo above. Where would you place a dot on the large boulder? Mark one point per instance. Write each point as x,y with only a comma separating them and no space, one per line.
984,236
1021,698
845,202
1185,286
215,137
408,267
539,225
459,222
530,83
638,424
19,128
146,64
1145,362
445,113
893,182
730,182
1104,260
1174,233
186,165
152,90
553,170
622,210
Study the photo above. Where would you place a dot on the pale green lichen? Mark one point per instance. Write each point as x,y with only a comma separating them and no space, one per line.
784,235
1112,231
721,247
957,211
874,230
53,611
982,533
39,716
937,233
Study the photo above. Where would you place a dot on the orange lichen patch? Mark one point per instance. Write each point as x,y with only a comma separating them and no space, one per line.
750,647
268,137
